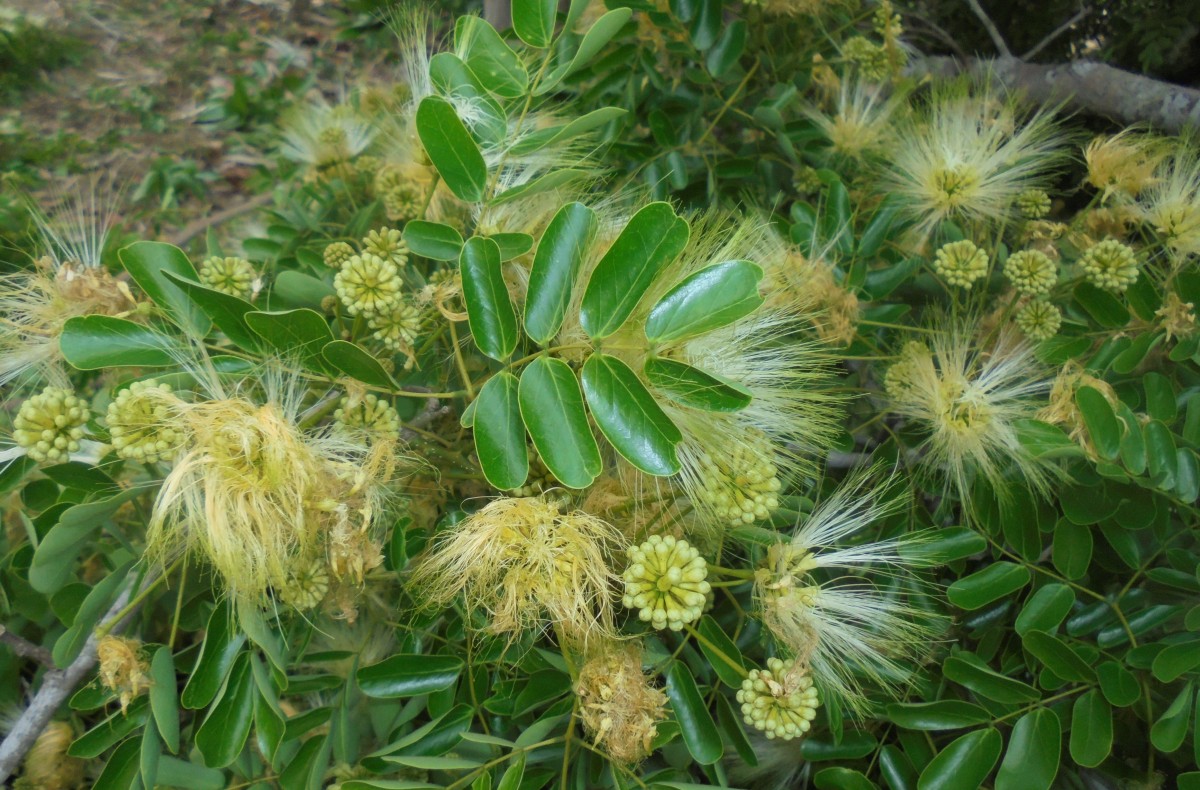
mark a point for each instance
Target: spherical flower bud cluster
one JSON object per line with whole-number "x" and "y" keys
{"x": 899, "y": 376}
{"x": 807, "y": 181}
{"x": 397, "y": 327}
{"x": 961, "y": 263}
{"x": 1039, "y": 320}
{"x": 870, "y": 59}
{"x": 368, "y": 414}
{"x": 1110, "y": 265}
{"x": 233, "y": 276}
{"x": 1031, "y": 272}
{"x": 337, "y": 254}
{"x": 368, "y": 285}
{"x": 780, "y": 700}
{"x": 49, "y": 425}
{"x": 742, "y": 486}
{"x": 387, "y": 243}
{"x": 306, "y": 588}
{"x": 1033, "y": 204}
{"x": 402, "y": 197}
{"x": 666, "y": 582}
{"x": 139, "y": 422}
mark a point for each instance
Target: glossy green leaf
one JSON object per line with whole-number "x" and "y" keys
{"x": 512, "y": 245}
{"x": 164, "y": 697}
{"x": 98, "y": 600}
{"x": 451, "y": 149}
{"x": 628, "y": 416}
{"x": 652, "y": 239}
{"x": 1045, "y": 609}
{"x": 947, "y": 714}
{"x": 556, "y": 267}
{"x": 512, "y": 776}
{"x": 353, "y": 361}
{"x": 299, "y": 333}
{"x": 1058, "y": 657}
{"x": 594, "y": 40}
{"x": 1160, "y": 397}
{"x": 222, "y": 643}
{"x": 730, "y": 722}
{"x": 533, "y": 21}
{"x": 1072, "y": 548}
{"x": 693, "y": 387}
{"x": 1091, "y": 729}
{"x": 711, "y": 298}
{"x": 297, "y": 289}
{"x": 838, "y": 778}
{"x": 121, "y": 770}
{"x": 1102, "y": 306}
{"x": 722, "y": 654}
{"x": 729, "y": 47}
{"x": 489, "y": 308}
{"x": 1119, "y": 685}
{"x": 1034, "y": 750}
{"x": 227, "y": 312}
{"x": 965, "y": 763}
{"x": 433, "y": 240}
{"x": 1168, "y": 732}
{"x": 107, "y": 733}
{"x": 1103, "y": 426}
{"x": 176, "y": 773}
{"x": 1175, "y": 660}
{"x": 223, "y": 734}
{"x": 492, "y": 60}
{"x": 500, "y": 433}
{"x": 54, "y": 559}
{"x": 990, "y": 584}
{"x": 453, "y": 78}
{"x": 1162, "y": 460}
{"x": 696, "y": 724}
{"x": 405, "y": 675}
{"x": 969, "y": 671}
{"x": 552, "y": 409}
{"x": 92, "y": 342}
{"x": 944, "y": 546}
{"x": 147, "y": 263}
{"x": 151, "y": 752}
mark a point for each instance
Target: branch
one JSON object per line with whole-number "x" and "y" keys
{"x": 1058, "y": 31}
{"x": 24, "y": 648}
{"x": 990, "y": 27}
{"x": 57, "y": 685}
{"x": 1085, "y": 86}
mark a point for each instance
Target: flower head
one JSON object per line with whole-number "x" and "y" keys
{"x": 47, "y": 765}
{"x": 367, "y": 414}
{"x": 122, "y": 667}
{"x": 1039, "y": 320}
{"x": 337, "y": 254}
{"x": 961, "y": 263}
{"x": 1123, "y": 164}
{"x": 1171, "y": 205}
{"x": 49, "y": 425}
{"x": 1033, "y": 204}
{"x": 780, "y": 700}
{"x": 1110, "y": 265}
{"x": 1031, "y": 272}
{"x": 322, "y": 135}
{"x": 143, "y": 422}
{"x": 1176, "y": 317}
{"x": 666, "y": 582}
{"x": 860, "y": 123}
{"x": 617, "y": 704}
{"x": 368, "y": 285}
{"x": 397, "y": 327}
{"x": 867, "y": 57}
{"x": 233, "y": 276}
{"x": 387, "y": 243}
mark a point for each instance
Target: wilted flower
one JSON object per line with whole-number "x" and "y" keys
{"x": 960, "y": 263}
{"x": 1110, "y": 265}
{"x": 666, "y": 582}
{"x": 1039, "y": 320}
{"x": 233, "y": 276}
{"x": 49, "y": 425}
{"x": 1123, "y": 164}
{"x": 780, "y": 700}
{"x": 122, "y": 668}
{"x": 1062, "y": 408}
{"x": 1176, "y": 317}
{"x": 47, "y": 765}
{"x": 1031, "y": 272}
{"x": 618, "y": 706}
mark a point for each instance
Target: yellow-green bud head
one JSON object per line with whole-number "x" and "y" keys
{"x": 397, "y": 327}
{"x": 49, "y": 425}
{"x": 233, "y": 276}
{"x": 368, "y": 414}
{"x": 666, "y": 582}
{"x": 1110, "y": 265}
{"x": 807, "y": 181}
{"x": 387, "y": 243}
{"x": 1031, "y": 272}
{"x": 337, "y": 254}
{"x": 368, "y": 284}
{"x": 1033, "y": 204}
{"x": 742, "y": 486}
{"x": 306, "y": 587}
{"x": 1039, "y": 320}
{"x": 961, "y": 263}
{"x": 402, "y": 202}
{"x": 780, "y": 700}
{"x": 142, "y": 422}
{"x": 869, "y": 58}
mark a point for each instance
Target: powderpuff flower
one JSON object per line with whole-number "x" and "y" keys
{"x": 848, "y": 632}
{"x": 526, "y": 564}
{"x": 860, "y": 122}
{"x": 321, "y": 135}
{"x": 968, "y": 157}
{"x": 969, "y": 399}
{"x": 1171, "y": 205}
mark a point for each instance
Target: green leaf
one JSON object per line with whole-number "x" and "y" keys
{"x": 511, "y": 779}
{"x": 729, "y": 47}
{"x": 147, "y": 263}
{"x": 972, "y": 673}
{"x": 353, "y": 361}
{"x": 722, "y": 654}
{"x": 552, "y": 180}
{"x": 226, "y": 311}
{"x": 1161, "y": 457}
{"x": 91, "y": 342}
{"x": 121, "y": 770}
{"x": 1160, "y": 397}
{"x": 838, "y": 778}
{"x": 1118, "y": 684}
{"x": 990, "y": 584}
{"x": 164, "y": 697}
{"x": 54, "y": 558}
{"x": 628, "y": 417}
{"x": 1103, "y": 426}
{"x": 222, "y": 643}
{"x": 594, "y": 40}
{"x": 492, "y": 60}
{"x": 1045, "y": 609}
{"x": 1091, "y": 730}
{"x": 1034, "y": 750}
{"x": 500, "y": 433}
{"x": 512, "y": 245}
{"x": 652, "y": 239}
{"x": 1072, "y": 549}
{"x": 406, "y": 675}
{"x": 433, "y": 240}
{"x": 451, "y": 149}
{"x": 1168, "y": 732}
{"x": 296, "y": 333}
{"x": 1102, "y": 306}
{"x": 173, "y": 772}
{"x": 533, "y": 21}
{"x": 100, "y": 738}
{"x": 254, "y": 625}
{"x": 151, "y": 752}
{"x": 99, "y": 598}
{"x": 711, "y": 298}
{"x": 223, "y": 734}
{"x": 700, "y": 733}
{"x": 947, "y": 714}
{"x": 556, "y": 266}
{"x": 693, "y": 387}
{"x": 1058, "y": 657}
{"x": 965, "y": 763}
{"x": 535, "y": 141}
{"x": 944, "y": 546}
{"x": 552, "y": 408}
{"x": 492, "y": 319}
{"x": 1173, "y": 661}
{"x": 452, "y": 77}
{"x": 297, "y": 289}
{"x": 731, "y": 725}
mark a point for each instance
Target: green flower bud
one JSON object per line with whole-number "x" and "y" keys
{"x": 1033, "y": 204}
{"x": 1031, "y": 272}
{"x": 1039, "y": 320}
{"x": 388, "y": 244}
{"x": 742, "y": 486}
{"x": 398, "y": 327}
{"x": 780, "y": 700}
{"x": 368, "y": 284}
{"x": 233, "y": 276}
{"x": 1110, "y": 265}
{"x": 337, "y": 254}
{"x": 403, "y": 202}
{"x": 49, "y": 425}
{"x": 307, "y": 586}
{"x": 666, "y": 582}
{"x": 140, "y": 421}
{"x": 870, "y": 59}
{"x": 368, "y": 414}
{"x": 961, "y": 263}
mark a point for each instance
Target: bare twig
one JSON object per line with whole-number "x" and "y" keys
{"x": 57, "y": 685}
{"x": 195, "y": 228}
{"x": 24, "y": 648}
{"x": 1058, "y": 31}
{"x": 990, "y": 27}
